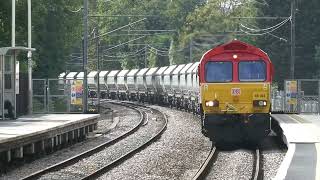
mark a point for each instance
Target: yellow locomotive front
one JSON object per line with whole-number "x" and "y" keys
{"x": 235, "y": 83}
{"x": 235, "y": 98}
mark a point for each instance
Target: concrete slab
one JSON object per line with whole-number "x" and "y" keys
{"x": 297, "y": 129}
{"x": 313, "y": 118}
{"x": 303, "y": 164}
{"x": 34, "y": 128}
{"x": 302, "y": 133}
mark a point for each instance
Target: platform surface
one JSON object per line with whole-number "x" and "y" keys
{"x": 302, "y": 133}
{"x": 25, "y": 126}
{"x": 299, "y": 128}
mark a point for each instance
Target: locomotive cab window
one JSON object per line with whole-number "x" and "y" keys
{"x": 218, "y": 71}
{"x": 252, "y": 71}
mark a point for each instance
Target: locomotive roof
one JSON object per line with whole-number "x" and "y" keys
{"x": 170, "y": 69}
{"x": 92, "y": 74}
{"x": 133, "y": 72}
{"x": 71, "y": 75}
{"x": 123, "y": 73}
{"x": 185, "y": 68}
{"x": 178, "y": 69}
{"x": 193, "y": 67}
{"x": 152, "y": 71}
{"x": 161, "y": 70}
{"x": 235, "y": 46}
{"x": 113, "y": 73}
{"x": 103, "y": 73}
{"x": 143, "y": 71}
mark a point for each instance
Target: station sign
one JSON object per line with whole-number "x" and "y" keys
{"x": 76, "y": 92}
{"x": 291, "y": 92}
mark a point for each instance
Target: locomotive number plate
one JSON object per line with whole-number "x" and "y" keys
{"x": 235, "y": 91}
{"x": 257, "y": 95}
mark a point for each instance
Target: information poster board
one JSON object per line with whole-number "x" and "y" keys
{"x": 291, "y": 92}
{"x": 76, "y": 92}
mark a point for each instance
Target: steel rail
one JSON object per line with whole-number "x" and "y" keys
{"x": 257, "y": 166}
{"x": 88, "y": 153}
{"x": 99, "y": 172}
{"x": 205, "y": 167}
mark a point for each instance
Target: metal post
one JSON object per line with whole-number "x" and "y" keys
{"x": 318, "y": 96}
{"x": 14, "y": 71}
{"x": 85, "y": 55}
{"x": 299, "y": 97}
{"x": 145, "y": 56}
{"x": 29, "y": 61}
{"x": 98, "y": 80}
{"x": 98, "y": 56}
{"x": 13, "y": 28}
{"x": 293, "y": 38}
{"x": 190, "y": 50}
{"x": 2, "y": 86}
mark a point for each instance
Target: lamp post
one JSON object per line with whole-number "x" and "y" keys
{"x": 85, "y": 55}
{"x": 29, "y": 55}
{"x": 293, "y": 38}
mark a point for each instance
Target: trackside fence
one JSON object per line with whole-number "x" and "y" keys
{"x": 299, "y": 96}
{"x": 57, "y": 96}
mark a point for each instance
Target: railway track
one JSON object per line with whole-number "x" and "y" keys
{"x": 257, "y": 170}
{"x": 73, "y": 160}
{"x": 206, "y": 166}
{"x": 211, "y": 158}
{"x": 114, "y": 163}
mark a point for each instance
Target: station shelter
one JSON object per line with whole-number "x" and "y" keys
{"x": 9, "y": 80}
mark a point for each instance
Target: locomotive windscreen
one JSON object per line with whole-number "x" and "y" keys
{"x": 218, "y": 71}
{"x": 252, "y": 71}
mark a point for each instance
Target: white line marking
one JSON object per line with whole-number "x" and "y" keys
{"x": 294, "y": 119}
{"x": 318, "y": 161}
{"x": 282, "y": 171}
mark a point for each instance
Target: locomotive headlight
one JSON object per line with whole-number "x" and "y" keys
{"x": 209, "y": 103}
{"x": 214, "y": 103}
{"x": 259, "y": 103}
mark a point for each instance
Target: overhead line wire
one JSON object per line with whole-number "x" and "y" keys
{"x": 269, "y": 28}
{"x": 117, "y": 29}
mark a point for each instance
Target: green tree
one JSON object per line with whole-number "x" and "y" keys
{"x": 56, "y": 31}
{"x": 212, "y": 24}
{"x": 307, "y": 38}
{"x": 317, "y": 61}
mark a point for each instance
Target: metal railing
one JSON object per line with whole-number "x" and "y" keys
{"x": 306, "y": 100}
{"x": 57, "y": 96}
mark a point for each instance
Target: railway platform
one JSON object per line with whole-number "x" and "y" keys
{"x": 35, "y": 134}
{"x": 301, "y": 133}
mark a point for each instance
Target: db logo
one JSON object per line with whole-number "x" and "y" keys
{"x": 235, "y": 91}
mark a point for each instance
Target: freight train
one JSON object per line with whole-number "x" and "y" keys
{"x": 229, "y": 88}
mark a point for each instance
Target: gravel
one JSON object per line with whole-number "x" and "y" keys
{"x": 109, "y": 154}
{"x": 232, "y": 165}
{"x": 128, "y": 119}
{"x": 271, "y": 163}
{"x": 273, "y": 154}
{"x": 178, "y": 154}
{"x": 239, "y": 164}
